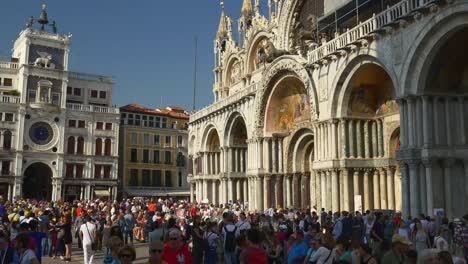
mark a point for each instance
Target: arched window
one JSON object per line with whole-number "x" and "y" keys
{"x": 108, "y": 147}
{"x": 7, "y": 140}
{"x": 71, "y": 145}
{"x": 80, "y": 147}
{"x": 180, "y": 160}
{"x": 98, "y": 147}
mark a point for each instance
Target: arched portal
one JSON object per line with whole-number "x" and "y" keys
{"x": 369, "y": 113}
{"x": 37, "y": 183}
{"x": 209, "y": 163}
{"x": 300, "y": 157}
{"x": 237, "y": 152}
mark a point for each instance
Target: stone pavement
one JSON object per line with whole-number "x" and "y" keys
{"x": 77, "y": 255}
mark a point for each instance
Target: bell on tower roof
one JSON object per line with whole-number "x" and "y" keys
{"x": 222, "y": 28}
{"x": 43, "y": 17}
{"x": 247, "y": 9}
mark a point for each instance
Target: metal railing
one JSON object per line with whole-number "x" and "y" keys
{"x": 92, "y": 108}
{"x": 376, "y": 22}
{"x": 10, "y": 99}
{"x": 89, "y": 77}
{"x": 224, "y": 102}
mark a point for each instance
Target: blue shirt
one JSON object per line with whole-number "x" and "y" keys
{"x": 296, "y": 251}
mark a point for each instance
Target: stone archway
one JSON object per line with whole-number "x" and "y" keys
{"x": 37, "y": 182}
{"x": 236, "y": 149}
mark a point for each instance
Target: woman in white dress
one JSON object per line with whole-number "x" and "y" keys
{"x": 419, "y": 237}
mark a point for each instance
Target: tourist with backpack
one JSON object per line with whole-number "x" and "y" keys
{"x": 230, "y": 233}
{"x": 210, "y": 243}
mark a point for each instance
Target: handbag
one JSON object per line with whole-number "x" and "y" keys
{"x": 93, "y": 245}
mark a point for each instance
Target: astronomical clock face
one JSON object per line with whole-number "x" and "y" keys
{"x": 41, "y": 133}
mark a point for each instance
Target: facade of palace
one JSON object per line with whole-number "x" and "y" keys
{"x": 58, "y": 131}
{"x": 153, "y": 152}
{"x": 324, "y": 104}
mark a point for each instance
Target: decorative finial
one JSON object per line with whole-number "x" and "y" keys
{"x": 222, "y": 5}
{"x": 43, "y": 17}
{"x": 30, "y": 22}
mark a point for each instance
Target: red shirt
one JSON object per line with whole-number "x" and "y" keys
{"x": 193, "y": 212}
{"x": 253, "y": 255}
{"x": 152, "y": 207}
{"x": 78, "y": 211}
{"x": 180, "y": 256}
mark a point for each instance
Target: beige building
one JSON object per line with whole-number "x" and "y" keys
{"x": 153, "y": 152}
{"x": 326, "y": 104}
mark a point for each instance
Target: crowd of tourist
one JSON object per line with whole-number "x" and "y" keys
{"x": 182, "y": 232}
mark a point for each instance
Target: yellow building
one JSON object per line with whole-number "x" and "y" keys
{"x": 153, "y": 152}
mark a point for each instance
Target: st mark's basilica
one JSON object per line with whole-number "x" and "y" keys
{"x": 343, "y": 105}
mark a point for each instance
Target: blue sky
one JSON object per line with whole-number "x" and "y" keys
{"x": 147, "y": 45}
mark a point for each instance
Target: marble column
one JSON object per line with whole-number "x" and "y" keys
{"x": 230, "y": 189}
{"x": 267, "y": 191}
{"x": 259, "y": 194}
{"x": 383, "y": 189}
{"x": 306, "y": 196}
{"x": 359, "y": 138}
{"x": 380, "y": 137}
{"x": 191, "y": 193}
{"x": 335, "y": 191}
{"x": 410, "y": 120}
{"x": 242, "y": 161}
{"x": 427, "y": 123}
{"x": 367, "y": 191}
{"x": 297, "y": 190}
{"x": 413, "y": 186}
{"x": 238, "y": 190}
{"x": 274, "y": 147}
{"x": 280, "y": 156}
{"x": 245, "y": 191}
{"x": 214, "y": 191}
{"x": 429, "y": 186}
{"x": 278, "y": 190}
{"x": 344, "y": 140}
{"x": 313, "y": 191}
{"x": 366, "y": 139}
{"x": 346, "y": 203}
{"x": 324, "y": 190}
{"x": 374, "y": 140}
{"x": 318, "y": 190}
{"x": 356, "y": 183}
{"x": 316, "y": 141}
{"x": 390, "y": 189}
{"x": 352, "y": 152}
{"x": 376, "y": 192}
{"x": 448, "y": 163}
{"x": 461, "y": 119}
{"x": 340, "y": 190}
{"x": 333, "y": 125}
{"x": 398, "y": 189}
{"x": 329, "y": 191}
{"x": 448, "y": 128}
{"x": 205, "y": 190}
{"x": 422, "y": 187}
{"x": 288, "y": 190}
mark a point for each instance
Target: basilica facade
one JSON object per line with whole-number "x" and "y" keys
{"x": 329, "y": 104}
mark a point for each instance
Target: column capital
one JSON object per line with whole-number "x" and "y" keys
{"x": 428, "y": 162}
{"x": 412, "y": 163}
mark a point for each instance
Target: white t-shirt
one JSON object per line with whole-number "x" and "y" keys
{"x": 88, "y": 237}
{"x": 440, "y": 243}
{"x": 27, "y": 257}
{"x": 322, "y": 256}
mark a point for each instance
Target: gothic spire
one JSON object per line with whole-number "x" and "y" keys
{"x": 222, "y": 28}
{"x": 247, "y": 8}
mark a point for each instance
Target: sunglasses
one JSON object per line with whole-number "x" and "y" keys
{"x": 126, "y": 256}
{"x": 156, "y": 250}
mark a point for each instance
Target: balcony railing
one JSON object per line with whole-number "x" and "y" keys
{"x": 8, "y": 65}
{"x": 224, "y": 102}
{"x": 377, "y": 22}
{"x": 10, "y": 99}
{"x": 92, "y": 108}
{"x": 89, "y": 77}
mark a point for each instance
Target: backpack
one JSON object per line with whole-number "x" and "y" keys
{"x": 230, "y": 242}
